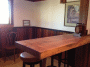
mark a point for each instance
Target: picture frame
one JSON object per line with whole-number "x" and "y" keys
{"x": 26, "y": 23}
{"x": 72, "y": 10}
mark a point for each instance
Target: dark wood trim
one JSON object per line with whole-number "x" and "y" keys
{"x": 46, "y": 29}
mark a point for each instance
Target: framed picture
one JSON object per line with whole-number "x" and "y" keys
{"x": 72, "y": 10}
{"x": 26, "y": 23}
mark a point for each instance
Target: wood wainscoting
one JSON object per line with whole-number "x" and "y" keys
{"x": 36, "y": 32}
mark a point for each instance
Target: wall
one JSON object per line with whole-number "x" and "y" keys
{"x": 22, "y": 11}
{"x": 88, "y": 21}
{"x": 47, "y": 14}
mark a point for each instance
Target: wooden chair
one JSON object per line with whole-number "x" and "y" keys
{"x": 11, "y": 37}
{"x": 29, "y": 59}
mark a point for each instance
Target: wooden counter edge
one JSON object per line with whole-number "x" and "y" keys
{"x": 83, "y": 41}
{"x": 29, "y": 50}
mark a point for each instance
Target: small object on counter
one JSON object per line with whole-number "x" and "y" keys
{"x": 77, "y": 35}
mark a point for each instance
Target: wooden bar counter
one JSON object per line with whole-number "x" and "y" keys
{"x": 48, "y": 46}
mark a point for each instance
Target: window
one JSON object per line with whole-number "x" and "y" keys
{"x": 5, "y": 11}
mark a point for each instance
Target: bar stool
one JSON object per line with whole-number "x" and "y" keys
{"x": 59, "y": 60}
{"x": 29, "y": 59}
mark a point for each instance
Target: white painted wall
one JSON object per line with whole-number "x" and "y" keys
{"x": 22, "y": 11}
{"x": 88, "y": 21}
{"x": 47, "y": 14}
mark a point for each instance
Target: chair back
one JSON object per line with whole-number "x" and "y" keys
{"x": 11, "y": 37}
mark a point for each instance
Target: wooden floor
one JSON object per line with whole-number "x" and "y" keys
{"x": 18, "y": 63}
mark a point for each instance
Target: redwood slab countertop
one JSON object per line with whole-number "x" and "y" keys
{"x": 48, "y": 46}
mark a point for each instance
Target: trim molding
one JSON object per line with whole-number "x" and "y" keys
{"x": 46, "y": 29}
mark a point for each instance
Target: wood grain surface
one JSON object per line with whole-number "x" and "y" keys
{"x": 48, "y": 46}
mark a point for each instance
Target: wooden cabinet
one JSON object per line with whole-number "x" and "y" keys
{"x": 62, "y": 1}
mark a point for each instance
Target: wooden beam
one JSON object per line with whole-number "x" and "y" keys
{"x": 84, "y": 4}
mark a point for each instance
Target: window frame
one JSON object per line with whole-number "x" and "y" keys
{"x": 11, "y": 24}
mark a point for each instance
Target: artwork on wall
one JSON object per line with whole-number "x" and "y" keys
{"x": 26, "y": 23}
{"x": 72, "y": 10}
